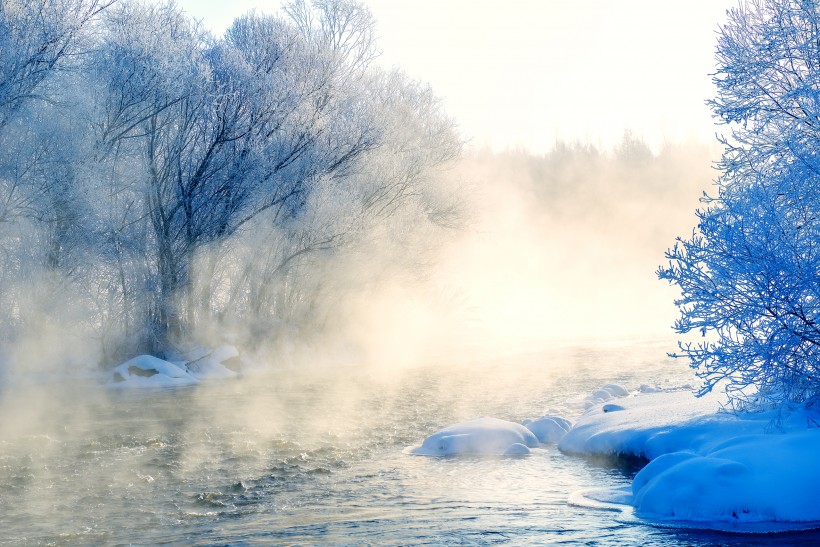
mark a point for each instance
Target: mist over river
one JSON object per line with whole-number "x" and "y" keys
{"x": 316, "y": 456}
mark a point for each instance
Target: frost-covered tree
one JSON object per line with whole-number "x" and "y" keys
{"x": 164, "y": 180}
{"x": 750, "y": 273}
{"x": 36, "y": 40}
{"x": 39, "y": 42}
{"x": 223, "y": 131}
{"x": 377, "y": 211}
{"x": 279, "y": 137}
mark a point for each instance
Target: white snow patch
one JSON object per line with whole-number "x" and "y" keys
{"x": 615, "y": 390}
{"x": 149, "y": 371}
{"x": 605, "y": 393}
{"x": 708, "y": 468}
{"x": 548, "y": 429}
{"x": 596, "y": 398}
{"x": 211, "y": 364}
{"x": 750, "y": 478}
{"x": 182, "y": 368}
{"x": 517, "y": 449}
{"x": 479, "y": 436}
{"x": 612, "y": 499}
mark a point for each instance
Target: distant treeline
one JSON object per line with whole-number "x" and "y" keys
{"x": 637, "y": 198}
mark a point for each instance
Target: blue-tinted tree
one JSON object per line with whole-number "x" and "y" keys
{"x": 161, "y": 178}
{"x": 38, "y": 39}
{"x": 219, "y": 138}
{"x": 750, "y": 273}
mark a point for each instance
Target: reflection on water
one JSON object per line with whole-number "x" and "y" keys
{"x": 301, "y": 458}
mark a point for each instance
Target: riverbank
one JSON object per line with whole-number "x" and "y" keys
{"x": 745, "y": 472}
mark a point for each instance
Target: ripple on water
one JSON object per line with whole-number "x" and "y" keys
{"x": 305, "y": 459}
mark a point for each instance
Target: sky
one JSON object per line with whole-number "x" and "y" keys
{"x": 526, "y": 73}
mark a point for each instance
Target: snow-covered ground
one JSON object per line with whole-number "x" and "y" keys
{"x": 750, "y": 472}
{"x": 706, "y": 468}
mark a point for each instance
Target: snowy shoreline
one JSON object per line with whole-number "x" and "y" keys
{"x": 704, "y": 468}
{"x": 708, "y": 468}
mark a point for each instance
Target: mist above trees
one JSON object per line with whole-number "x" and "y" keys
{"x": 161, "y": 186}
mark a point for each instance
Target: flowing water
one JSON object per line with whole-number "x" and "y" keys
{"x": 317, "y": 457}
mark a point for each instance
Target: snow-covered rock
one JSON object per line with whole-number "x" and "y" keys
{"x": 181, "y": 369}
{"x": 218, "y": 363}
{"x": 615, "y": 390}
{"x": 482, "y": 436}
{"x": 605, "y": 393}
{"x": 597, "y": 397}
{"x": 548, "y": 429}
{"x": 149, "y": 371}
{"x": 516, "y": 449}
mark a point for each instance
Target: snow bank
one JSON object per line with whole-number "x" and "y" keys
{"x": 149, "y": 371}
{"x": 751, "y": 478}
{"x": 482, "y": 436}
{"x": 652, "y": 424}
{"x": 708, "y": 468}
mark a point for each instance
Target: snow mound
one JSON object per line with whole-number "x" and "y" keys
{"x": 751, "y": 478}
{"x": 549, "y": 429}
{"x": 149, "y": 371}
{"x": 615, "y": 390}
{"x": 479, "y": 436}
{"x": 605, "y": 393}
{"x": 206, "y": 364}
{"x": 182, "y": 369}
{"x": 517, "y": 449}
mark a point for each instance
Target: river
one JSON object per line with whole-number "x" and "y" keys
{"x": 316, "y": 456}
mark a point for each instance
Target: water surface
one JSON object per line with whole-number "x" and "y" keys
{"x": 317, "y": 457}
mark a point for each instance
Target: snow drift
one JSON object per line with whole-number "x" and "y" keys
{"x": 548, "y": 429}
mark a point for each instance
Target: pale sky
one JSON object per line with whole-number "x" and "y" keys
{"x": 523, "y": 73}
